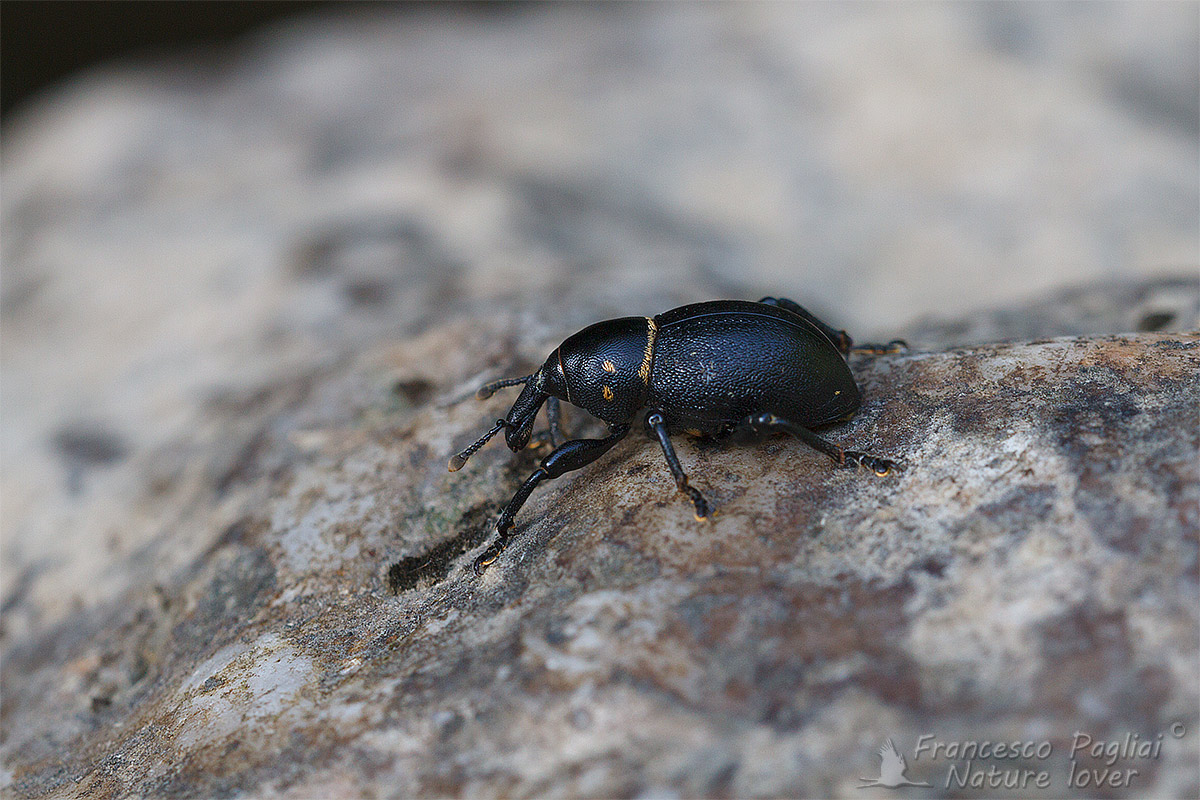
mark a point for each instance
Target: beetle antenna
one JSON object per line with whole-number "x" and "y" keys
{"x": 458, "y": 461}
{"x": 489, "y": 389}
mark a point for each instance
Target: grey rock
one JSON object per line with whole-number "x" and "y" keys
{"x": 1030, "y": 573}
{"x": 1166, "y": 303}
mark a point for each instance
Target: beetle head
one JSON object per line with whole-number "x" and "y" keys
{"x": 518, "y": 424}
{"x": 524, "y": 412}
{"x": 605, "y": 368}
{"x": 547, "y": 382}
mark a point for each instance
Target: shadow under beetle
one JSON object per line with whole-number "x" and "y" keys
{"x": 707, "y": 369}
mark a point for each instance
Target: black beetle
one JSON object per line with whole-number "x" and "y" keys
{"x": 706, "y": 369}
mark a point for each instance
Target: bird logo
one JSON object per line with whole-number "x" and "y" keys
{"x": 892, "y": 767}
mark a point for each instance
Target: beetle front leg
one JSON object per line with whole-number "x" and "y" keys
{"x": 767, "y": 422}
{"x": 658, "y": 429}
{"x": 566, "y": 457}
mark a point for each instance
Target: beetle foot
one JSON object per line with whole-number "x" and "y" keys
{"x": 760, "y": 423}
{"x": 703, "y": 510}
{"x": 542, "y": 440}
{"x": 876, "y": 349}
{"x": 546, "y": 440}
{"x": 490, "y": 555}
{"x": 484, "y": 561}
{"x": 880, "y": 466}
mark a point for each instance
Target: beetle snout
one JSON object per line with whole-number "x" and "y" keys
{"x": 519, "y": 431}
{"x": 522, "y": 416}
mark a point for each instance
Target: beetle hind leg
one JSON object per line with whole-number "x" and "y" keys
{"x": 658, "y": 429}
{"x": 769, "y": 423}
{"x": 840, "y": 339}
{"x": 879, "y": 349}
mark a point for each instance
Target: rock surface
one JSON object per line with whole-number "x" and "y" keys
{"x": 243, "y": 320}
{"x": 1031, "y": 572}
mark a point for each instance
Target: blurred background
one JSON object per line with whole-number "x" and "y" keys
{"x": 205, "y": 195}
{"x": 884, "y": 162}
{"x": 45, "y": 42}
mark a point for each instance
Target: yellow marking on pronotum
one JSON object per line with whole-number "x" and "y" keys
{"x": 608, "y": 394}
{"x": 608, "y": 366}
{"x": 562, "y": 369}
{"x": 648, "y": 355}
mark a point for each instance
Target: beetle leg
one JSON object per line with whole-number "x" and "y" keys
{"x": 841, "y": 340}
{"x": 554, "y": 417}
{"x": 877, "y": 349}
{"x": 658, "y": 429}
{"x": 770, "y": 422}
{"x": 566, "y": 457}
{"x": 553, "y": 435}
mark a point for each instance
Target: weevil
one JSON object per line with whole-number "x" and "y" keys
{"x": 711, "y": 369}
